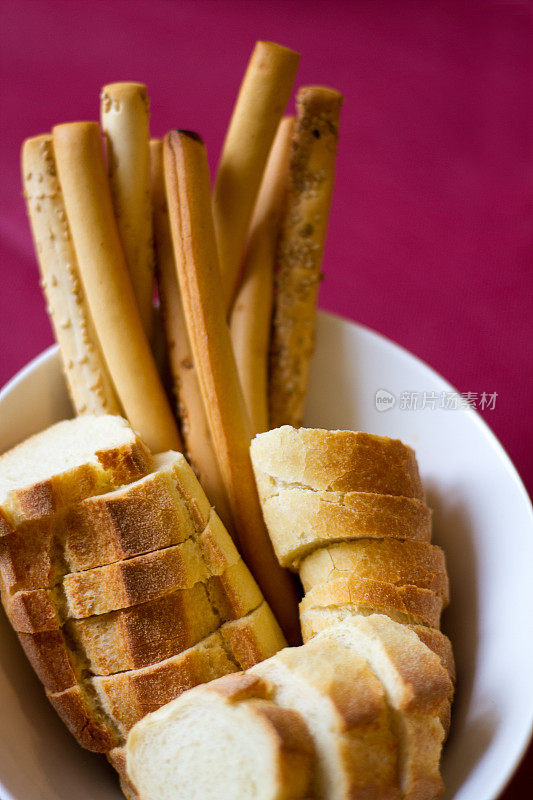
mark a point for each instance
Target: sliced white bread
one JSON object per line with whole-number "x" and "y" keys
{"x": 398, "y": 562}
{"x": 416, "y": 685}
{"x": 344, "y": 706}
{"x": 300, "y": 520}
{"x": 341, "y": 461}
{"x": 406, "y": 604}
{"x": 101, "y": 710}
{"x": 222, "y": 741}
{"x": 66, "y": 463}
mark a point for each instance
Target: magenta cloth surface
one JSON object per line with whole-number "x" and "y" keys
{"x": 431, "y": 236}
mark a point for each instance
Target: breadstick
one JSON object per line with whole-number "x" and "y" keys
{"x": 104, "y": 275}
{"x": 300, "y": 250}
{"x": 190, "y": 406}
{"x": 262, "y": 99}
{"x": 193, "y": 236}
{"x": 252, "y": 310}
{"x": 124, "y": 115}
{"x": 88, "y": 380}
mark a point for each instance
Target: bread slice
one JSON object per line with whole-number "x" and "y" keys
{"x": 416, "y": 685}
{"x": 143, "y": 516}
{"x": 233, "y": 593}
{"x": 222, "y": 741}
{"x": 300, "y": 520}
{"x": 122, "y": 640}
{"x": 100, "y": 711}
{"x": 66, "y": 463}
{"x": 341, "y": 461}
{"x": 344, "y": 706}
{"x": 397, "y": 562}
{"x": 406, "y": 604}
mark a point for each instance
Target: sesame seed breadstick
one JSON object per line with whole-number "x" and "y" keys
{"x": 262, "y": 99}
{"x": 83, "y": 178}
{"x": 190, "y": 405}
{"x": 189, "y": 203}
{"x": 252, "y": 310}
{"x": 88, "y": 380}
{"x": 124, "y": 115}
{"x": 300, "y": 251}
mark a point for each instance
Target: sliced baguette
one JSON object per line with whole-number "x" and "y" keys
{"x": 301, "y": 520}
{"x": 124, "y": 698}
{"x": 234, "y": 593}
{"x": 341, "y": 461}
{"x": 122, "y": 640}
{"x": 345, "y": 708}
{"x": 150, "y": 514}
{"x": 408, "y": 604}
{"x": 416, "y": 685}
{"x": 397, "y": 562}
{"x": 222, "y": 741}
{"x": 66, "y": 463}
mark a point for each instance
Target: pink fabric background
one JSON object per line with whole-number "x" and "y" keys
{"x": 431, "y": 238}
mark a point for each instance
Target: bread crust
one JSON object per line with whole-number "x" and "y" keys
{"x": 106, "y": 469}
{"x": 343, "y": 461}
{"x": 419, "y": 606}
{"x": 398, "y": 562}
{"x": 301, "y": 520}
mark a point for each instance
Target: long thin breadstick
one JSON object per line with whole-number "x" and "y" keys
{"x": 252, "y": 310}
{"x": 86, "y": 374}
{"x": 300, "y": 250}
{"x": 83, "y": 178}
{"x": 262, "y": 99}
{"x": 189, "y": 203}
{"x": 124, "y": 115}
{"x": 194, "y": 427}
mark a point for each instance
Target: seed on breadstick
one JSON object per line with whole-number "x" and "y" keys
{"x": 124, "y": 115}
{"x": 195, "y": 251}
{"x": 88, "y": 380}
{"x": 190, "y": 406}
{"x": 300, "y": 251}
{"x": 82, "y": 174}
{"x": 262, "y": 99}
{"x": 252, "y": 309}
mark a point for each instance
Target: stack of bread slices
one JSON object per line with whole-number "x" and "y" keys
{"x": 362, "y": 709}
{"x": 347, "y": 511}
{"x": 121, "y": 582}
{"x": 352, "y": 714}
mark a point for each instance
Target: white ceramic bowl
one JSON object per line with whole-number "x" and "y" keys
{"x": 482, "y": 517}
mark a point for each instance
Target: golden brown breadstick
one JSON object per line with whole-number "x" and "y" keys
{"x": 124, "y": 115}
{"x": 252, "y": 309}
{"x": 190, "y": 406}
{"x": 262, "y": 99}
{"x": 193, "y": 236}
{"x": 300, "y": 250}
{"x": 86, "y": 374}
{"x": 83, "y": 178}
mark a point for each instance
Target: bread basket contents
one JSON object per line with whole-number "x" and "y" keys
{"x": 119, "y": 578}
{"x": 363, "y": 697}
{"x": 139, "y": 578}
